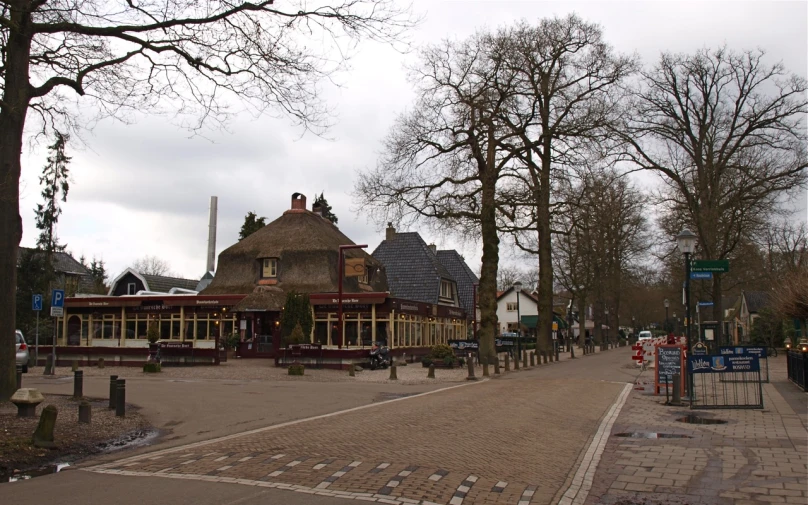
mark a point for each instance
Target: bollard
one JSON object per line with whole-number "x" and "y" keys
{"x": 43, "y": 436}
{"x": 74, "y": 365}
{"x": 471, "y": 376}
{"x": 677, "y": 390}
{"x": 120, "y": 398}
{"x": 507, "y": 362}
{"x": 393, "y": 375}
{"x": 556, "y": 354}
{"x": 113, "y": 388}
{"x": 572, "y": 351}
{"x": 78, "y": 384}
{"x": 100, "y": 362}
{"x": 516, "y": 362}
{"x": 431, "y": 373}
{"x": 85, "y": 412}
{"x": 351, "y": 370}
{"x": 532, "y": 359}
{"x": 19, "y": 377}
{"x": 524, "y": 360}
{"x": 49, "y": 365}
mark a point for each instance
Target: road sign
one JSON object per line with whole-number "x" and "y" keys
{"x": 701, "y": 275}
{"x": 709, "y": 266}
{"x": 36, "y": 303}
{"x": 705, "y": 304}
{"x": 57, "y": 311}
{"x": 58, "y": 298}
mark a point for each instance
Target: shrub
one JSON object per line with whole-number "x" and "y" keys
{"x": 152, "y": 367}
{"x": 231, "y": 341}
{"x": 153, "y": 333}
{"x": 296, "y": 337}
{"x": 442, "y": 351}
{"x": 296, "y": 369}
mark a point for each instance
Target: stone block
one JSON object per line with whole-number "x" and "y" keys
{"x": 26, "y": 400}
{"x": 43, "y": 436}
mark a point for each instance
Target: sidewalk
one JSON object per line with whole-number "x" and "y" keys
{"x": 758, "y": 456}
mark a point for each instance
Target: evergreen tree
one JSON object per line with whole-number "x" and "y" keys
{"x": 296, "y": 310}
{"x": 98, "y": 270}
{"x": 325, "y": 208}
{"x": 33, "y": 278}
{"x": 56, "y": 185}
{"x": 252, "y": 223}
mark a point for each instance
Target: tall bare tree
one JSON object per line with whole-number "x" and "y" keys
{"x": 189, "y": 58}
{"x": 152, "y": 265}
{"x": 442, "y": 161}
{"x": 566, "y": 80}
{"x": 726, "y": 133}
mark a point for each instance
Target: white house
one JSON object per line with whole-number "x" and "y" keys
{"x": 506, "y": 308}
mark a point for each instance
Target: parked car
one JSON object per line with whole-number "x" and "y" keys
{"x": 22, "y": 352}
{"x": 645, "y": 335}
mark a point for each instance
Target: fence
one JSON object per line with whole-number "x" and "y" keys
{"x": 797, "y": 369}
{"x": 725, "y": 382}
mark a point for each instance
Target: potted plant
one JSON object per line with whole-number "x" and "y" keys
{"x": 441, "y": 356}
{"x": 231, "y": 343}
{"x": 152, "y": 335}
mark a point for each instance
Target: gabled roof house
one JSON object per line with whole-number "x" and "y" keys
{"x": 71, "y": 275}
{"x": 131, "y": 282}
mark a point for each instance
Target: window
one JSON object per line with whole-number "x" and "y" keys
{"x": 511, "y": 306}
{"x": 131, "y": 288}
{"x": 365, "y": 279}
{"x": 446, "y": 289}
{"x": 269, "y": 267}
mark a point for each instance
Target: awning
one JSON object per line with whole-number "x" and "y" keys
{"x": 531, "y": 321}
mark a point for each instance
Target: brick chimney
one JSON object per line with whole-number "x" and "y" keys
{"x": 298, "y": 203}
{"x": 391, "y": 232}
{"x": 433, "y": 248}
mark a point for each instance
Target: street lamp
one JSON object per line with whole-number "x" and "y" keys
{"x": 667, "y": 304}
{"x": 517, "y": 286}
{"x": 686, "y": 241}
{"x": 633, "y": 327}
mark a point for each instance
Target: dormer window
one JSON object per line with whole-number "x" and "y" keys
{"x": 269, "y": 268}
{"x": 365, "y": 279}
{"x": 446, "y": 289}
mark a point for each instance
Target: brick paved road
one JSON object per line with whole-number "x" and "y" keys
{"x": 509, "y": 440}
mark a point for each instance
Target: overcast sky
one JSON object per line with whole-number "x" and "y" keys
{"x": 144, "y": 189}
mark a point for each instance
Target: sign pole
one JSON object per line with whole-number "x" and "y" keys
{"x": 36, "y": 341}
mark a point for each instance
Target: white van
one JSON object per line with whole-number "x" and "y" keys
{"x": 644, "y": 335}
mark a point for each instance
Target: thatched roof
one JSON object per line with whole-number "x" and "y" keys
{"x": 307, "y": 248}
{"x": 269, "y": 299}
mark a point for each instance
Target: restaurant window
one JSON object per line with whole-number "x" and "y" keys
{"x": 511, "y": 306}
{"x": 131, "y": 288}
{"x": 269, "y": 268}
{"x": 446, "y": 289}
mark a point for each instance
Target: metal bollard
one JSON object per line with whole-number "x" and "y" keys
{"x": 532, "y": 359}
{"x": 431, "y": 373}
{"x": 507, "y": 362}
{"x": 556, "y": 353}
{"x": 677, "y": 390}
{"x": 19, "y": 377}
{"x": 85, "y": 412}
{"x": 120, "y": 398}
{"x": 113, "y": 388}
{"x": 78, "y": 384}
{"x": 471, "y": 376}
{"x": 351, "y": 370}
{"x": 393, "y": 375}
{"x": 524, "y": 360}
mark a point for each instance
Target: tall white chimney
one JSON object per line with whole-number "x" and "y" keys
{"x": 214, "y": 204}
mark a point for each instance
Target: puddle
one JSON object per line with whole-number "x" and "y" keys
{"x": 651, "y": 435}
{"x": 137, "y": 438}
{"x": 37, "y": 472}
{"x": 693, "y": 419}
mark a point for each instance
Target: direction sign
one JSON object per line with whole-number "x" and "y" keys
{"x": 709, "y": 266}
{"x": 705, "y": 304}
{"x": 36, "y": 303}
{"x": 58, "y": 298}
{"x": 701, "y": 275}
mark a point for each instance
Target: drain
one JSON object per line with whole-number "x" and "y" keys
{"x": 692, "y": 419}
{"x": 637, "y": 434}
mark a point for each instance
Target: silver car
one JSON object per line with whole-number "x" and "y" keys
{"x": 23, "y": 358}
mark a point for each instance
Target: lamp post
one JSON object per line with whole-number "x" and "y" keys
{"x": 569, "y": 328}
{"x": 517, "y": 286}
{"x": 633, "y": 327}
{"x": 608, "y": 325}
{"x": 686, "y": 241}
{"x": 675, "y": 323}
{"x": 341, "y": 274}
{"x": 667, "y": 304}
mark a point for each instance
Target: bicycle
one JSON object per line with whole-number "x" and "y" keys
{"x": 771, "y": 351}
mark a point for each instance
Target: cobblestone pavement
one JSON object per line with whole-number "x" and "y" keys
{"x": 513, "y": 440}
{"x": 756, "y": 457}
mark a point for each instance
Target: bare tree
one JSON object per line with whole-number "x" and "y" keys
{"x": 566, "y": 78}
{"x": 190, "y": 59}
{"x": 441, "y": 162}
{"x": 726, "y": 134}
{"x": 152, "y": 265}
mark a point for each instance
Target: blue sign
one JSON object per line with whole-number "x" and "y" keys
{"x": 58, "y": 298}
{"x": 701, "y": 275}
{"x": 705, "y": 304}
{"x": 723, "y": 364}
{"x": 760, "y": 352}
{"x": 36, "y": 303}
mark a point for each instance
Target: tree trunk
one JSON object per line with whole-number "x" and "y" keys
{"x": 12, "y": 123}
{"x": 718, "y": 310}
{"x": 490, "y": 260}
{"x": 582, "y": 319}
{"x": 545, "y": 288}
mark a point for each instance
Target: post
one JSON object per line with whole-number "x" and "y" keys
{"x": 677, "y": 389}
{"x": 340, "y": 274}
{"x": 19, "y": 377}
{"x": 524, "y": 360}
{"x": 55, "y": 331}
{"x": 518, "y": 327}
{"x": 113, "y": 388}
{"x": 120, "y": 398}
{"x": 532, "y": 359}
{"x": 687, "y": 300}
{"x": 471, "y": 376}
{"x": 507, "y": 362}
{"x": 393, "y": 375}
{"x": 78, "y": 384}
{"x": 85, "y": 412}
{"x": 431, "y": 373}
{"x": 36, "y": 341}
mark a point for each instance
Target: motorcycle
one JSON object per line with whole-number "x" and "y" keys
{"x": 379, "y": 357}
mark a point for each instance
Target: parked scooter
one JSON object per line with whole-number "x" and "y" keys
{"x": 379, "y": 357}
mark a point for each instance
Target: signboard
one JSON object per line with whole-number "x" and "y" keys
{"x": 354, "y": 267}
{"x": 57, "y": 311}
{"x": 669, "y": 362}
{"x": 709, "y": 266}
{"x": 701, "y": 275}
{"x": 709, "y": 334}
{"x": 699, "y": 349}
{"x": 705, "y": 304}
{"x": 723, "y": 363}
{"x": 58, "y": 298}
{"x": 460, "y": 345}
{"x": 36, "y": 303}
{"x": 176, "y": 345}
{"x": 760, "y": 352}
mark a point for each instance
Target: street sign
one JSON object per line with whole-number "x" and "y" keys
{"x": 705, "y": 304}
{"x": 58, "y": 298}
{"x": 36, "y": 303}
{"x": 701, "y": 275}
{"x": 57, "y": 311}
{"x": 709, "y": 266}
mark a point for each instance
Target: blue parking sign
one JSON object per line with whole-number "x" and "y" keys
{"x": 58, "y": 298}
{"x": 36, "y": 303}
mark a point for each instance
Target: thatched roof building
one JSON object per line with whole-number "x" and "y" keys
{"x": 298, "y": 252}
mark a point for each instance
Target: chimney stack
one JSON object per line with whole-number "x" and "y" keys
{"x": 298, "y": 202}
{"x": 214, "y": 209}
{"x": 433, "y": 248}
{"x": 391, "y": 232}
